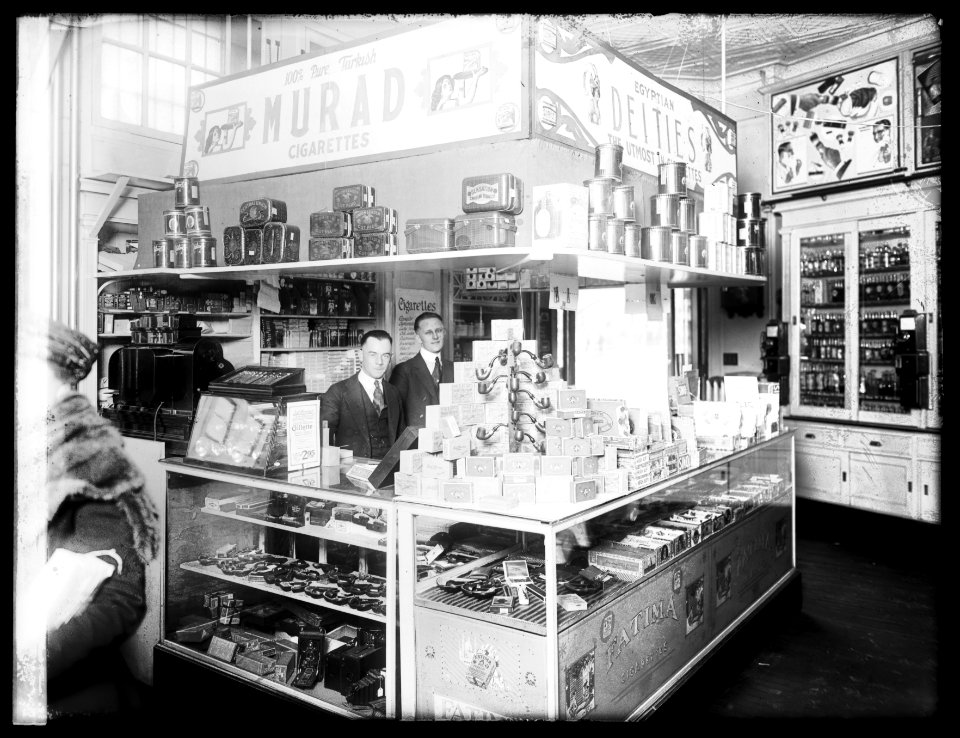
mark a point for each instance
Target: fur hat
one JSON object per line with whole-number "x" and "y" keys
{"x": 70, "y": 352}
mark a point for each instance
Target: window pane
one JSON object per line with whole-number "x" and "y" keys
{"x": 198, "y": 78}
{"x": 125, "y": 29}
{"x": 167, "y": 95}
{"x": 197, "y": 48}
{"x": 160, "y": 38}
{"x": 213, "y": 59}
{"x": 120, "y": 84}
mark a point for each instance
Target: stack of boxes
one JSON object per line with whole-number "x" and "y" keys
{"x": 491, "y": 203}
{"x": 263, "y": 235}
{"x": 355, "y": 227}
{"x": 188, "y": 241}
{"x": 718, "y": 223}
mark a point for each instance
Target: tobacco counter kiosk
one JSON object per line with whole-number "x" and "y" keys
{"x": 308, "y": 588}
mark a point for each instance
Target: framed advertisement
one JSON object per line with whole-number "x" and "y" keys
{"x": 926, "y": 100}
{"x": 837, "y": 129}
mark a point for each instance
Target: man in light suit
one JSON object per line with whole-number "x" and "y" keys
{"x": 365, "y": 413}
{"x": 418, "y": 378}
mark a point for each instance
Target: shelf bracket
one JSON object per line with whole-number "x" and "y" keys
{"x": 118, "y": 187}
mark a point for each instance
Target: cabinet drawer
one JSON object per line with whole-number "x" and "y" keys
{"x": 880, "y": 483}
{"x": 819, "y": 475}
{"x": 825, "y": 436}
{"x": 879, "y": 442}
{"x": 928, "y": 447}
{"x": 929, "y": 491}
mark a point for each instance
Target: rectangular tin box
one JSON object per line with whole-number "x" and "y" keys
{"x": 429, "y": 234}
{"x": 281, "y": 243}
{"x": 484, "y": 230}
{"x": 319, "y": 249}
{"x": 263, "y": 210}
{"x": 492, "y": 192}
{"x": 331, "y": 224}
{"x": 374, "y": 244}
{"x": 376, "y": 219}
{"x": 351, "y": 197}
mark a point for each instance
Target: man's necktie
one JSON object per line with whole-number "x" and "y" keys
{"x": 378, "y": 396}
{"x": 436, "y": 372}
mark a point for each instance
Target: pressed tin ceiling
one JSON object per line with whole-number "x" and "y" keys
{"x": 678, "y": 45}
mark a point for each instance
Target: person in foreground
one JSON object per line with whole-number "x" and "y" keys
{"x": 102, "y": 528}
{"x": 364, "y": 412}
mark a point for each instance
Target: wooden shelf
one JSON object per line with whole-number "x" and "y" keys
{"x": 124, "y": 311}
{"x": 359, "y": 537}
{"x": 318, "y": 317}
{"x": 594, "y": 268}
{"x": 212, "y": 571}
{"x": 160, "y": 345}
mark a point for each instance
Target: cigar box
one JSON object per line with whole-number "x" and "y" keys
{"x": 259, "y": 212}
{"x": 457, "y": 490}
{"x": 615, "y": 481}
{"x": 436, "y": 467}
{"x": 480, "y": 466}
{"x": 576, "y": 447}
{"x": 521, "y": 464}
{"x": 677, "y": 540}
{"x": 455, "y": 448}
{"x": 654, "y": 544}
{"x": 320, "y": 249}
{"x": 459, "y": 393}
{"x": 256, "y": 663}
{"x": 331, "y": 224}
{"x": 585, "y": 466}
{"x": 352, "y": 197}
{"x": 628, "y": 563}
{"x": 571, "y": 399}
{"x": 375, "y": 219}
{"x": 367, "y": 245}
{"x": 285, "y": 667}
{"x": 693, "y": 529}
{"x": 433, "y": 414}
{"x": 224, "y": 500}
{"x": 523, "y": 492}
{"x": 406, "y": 484}
{"x": 411, "y": 460}
{"x": 553, "y": 446}
{"x": 556, "y": 465}
{"x": 449, "y": 427}
{"x": 429, "y": 488}
{"x": 558, "y": 427}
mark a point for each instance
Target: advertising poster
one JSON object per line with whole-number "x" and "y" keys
{"x": 586, "y": 94}
{"x": 838, "y": 129}
{"x": 926, "y": 81}
{"x": 303, "y": 434}
{"x": 409, "y": 304}
{"x": 457, "y": 80}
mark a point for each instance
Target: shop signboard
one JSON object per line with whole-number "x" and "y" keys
{"x": 833, "y": 130}
{"x": 409, "y": 304}
{"x": 452, "y": 81}
{"x": 586, "y": 94}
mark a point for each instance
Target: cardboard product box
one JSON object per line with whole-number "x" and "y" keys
{"x": 692, "y": 529}
{"x": 486, "y": 486}
{"x": 615, "y": 481}
{"x": 661, "y": 547}
{"x": 677, "y": 540}
{"x": 553, "y": 446}
{"x": 555, "y": 488}
{"x": 225, "y": 500}
{"x": 436, "y": 467}
{"x": 612, "y": 414}
{"x": 560, "y": 215}
{"x": 471, "y": 414}
{"x": 523, "y": 492}
{"x": 429, "y": 488}
{"x": 558, "y": 428}
{"x": 433, "y": 414}
{"x": 459, "y": 393}
{"x": 406, "y": 484}
{"x": 285, "y": 666}
{"x": 556, "y": 465}
{"x": 585, "y": 466}
{"x": 256, "y": 663}
{"x": 571, "y": 399}
{"x": 496, "y": 412}
{"x": 497, "y": 392}
{"x": 411, "y": 460}
{"x": 457, "y": 490}
{"x": 464, "y": 372}
{"x": 506, "y": 330}
{"x": 429, "y": 440}
{"x": 525, "y": 464}
{"x": 480, "y": 466}
{"x": 576, "y": 447}
{"x": 455, "y": 448}
{"x": 628, "y": 563}
{"x": 449, "y": 427}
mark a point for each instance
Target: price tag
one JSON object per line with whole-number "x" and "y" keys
{"x": 564, "y": 292}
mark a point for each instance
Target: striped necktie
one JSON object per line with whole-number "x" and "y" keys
{"x": 436, "y": 372}
{"x": 378, "y": 396}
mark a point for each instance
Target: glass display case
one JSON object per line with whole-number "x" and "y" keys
{"x": 287, "y": 584}
{"x": 592, "y": 609}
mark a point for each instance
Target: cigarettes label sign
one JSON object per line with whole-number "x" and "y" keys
{"x": 586, "y": 94}
{"x": 457, "y": 80}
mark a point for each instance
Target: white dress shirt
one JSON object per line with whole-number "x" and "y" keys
{"x": 367, "y": 382}
{"x": 430, "y": 359}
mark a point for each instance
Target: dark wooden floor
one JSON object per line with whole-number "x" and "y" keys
{"x": 864, "y": 644}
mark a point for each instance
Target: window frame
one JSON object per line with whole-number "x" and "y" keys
{"x": 143, "y": 49}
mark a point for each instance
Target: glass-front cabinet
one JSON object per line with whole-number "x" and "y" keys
{"x": 286, "y": 584}
{"x": 852, "y": 282}
{"x": 589, "y": 610}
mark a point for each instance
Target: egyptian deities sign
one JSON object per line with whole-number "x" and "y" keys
{"x": 456, "y": 80}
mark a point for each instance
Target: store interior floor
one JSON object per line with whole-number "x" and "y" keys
{"x": 863, "y": 645}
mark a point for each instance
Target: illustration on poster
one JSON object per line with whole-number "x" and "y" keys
{"x": 591, "y": 87}
{"x": 454, "y": 89}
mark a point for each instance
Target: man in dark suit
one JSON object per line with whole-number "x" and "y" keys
{"x": 419, "y": 377}
{"x": 364, "y": 413}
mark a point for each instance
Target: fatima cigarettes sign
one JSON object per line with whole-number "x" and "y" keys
{"x": 587, "y": 94}
{"x": 452, "y": 81}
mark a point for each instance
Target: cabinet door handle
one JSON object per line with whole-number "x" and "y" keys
{"x": 844, "y": 476}
{"x": 809, "y": 435}
{"x": 876, "y": 443}
{"x": 926, "y": 489}
{"x": 909, "y": 486}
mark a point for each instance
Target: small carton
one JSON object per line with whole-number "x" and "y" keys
{"x": 457, "y": 490}
{"x": 411, "y": 460}
{"x": 406, "y": 484}
{"x": 459, "y": 393}
{"x": 525, "y": 464}
{"x": 456, "y": 448}
{"x": 449, "y": 427}
{"x": 556, "y": 465}
{"x": 436, "y": 467}
{"x": 429, "y": 440}
{"x": 480, "y": 466}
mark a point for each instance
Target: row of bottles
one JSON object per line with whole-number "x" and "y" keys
{"x": 879, "y": 321}
{"x": 885, "y": 256}
{"x": 821, "y": 263}
{"x": 824, "y": 322}
{"x": 886, "y": 386}
{"x": 881, "y": 287}
{"x": 308, "y": 334}
{"x": 876, "y": 350}
{"x": 815, "y": 377}
{"x": 822, "y": 292}
{"x": 825, "y": 348}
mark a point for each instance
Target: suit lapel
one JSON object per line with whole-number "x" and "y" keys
{"x": 357, "y": 393}
{"x": 425, "y": 378}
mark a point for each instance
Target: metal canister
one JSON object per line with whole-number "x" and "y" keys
{"x": 174, "y": 223}
{"x": 631, "y": 239}
{"x": 673, "y": 178}
{"x": 755, "y": 263}
{"x": 748, "y": 232}
{"x": 624, "y": 202}
{"x": 182, "y": 255}
{"x": 161, "y": 252}
{"x": 655, "y": 243}
{"x": 203, "y": 250}
{"x": 697, "y": 248}
{"x": 680, "y": 248}
{"x": 615, "y": 234}
{"x": 687, "y": 215}
{"x": 609, "y": 161}
{"x": 198, "y": 220}
{"x": 665, "y": 211}
{"x": 748, "y": 206}
{"x": 597, "y": 239}
{"x": 186, "y": 192}
{"x": 763, "y": 233}
{"x": 600, "y": 195}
